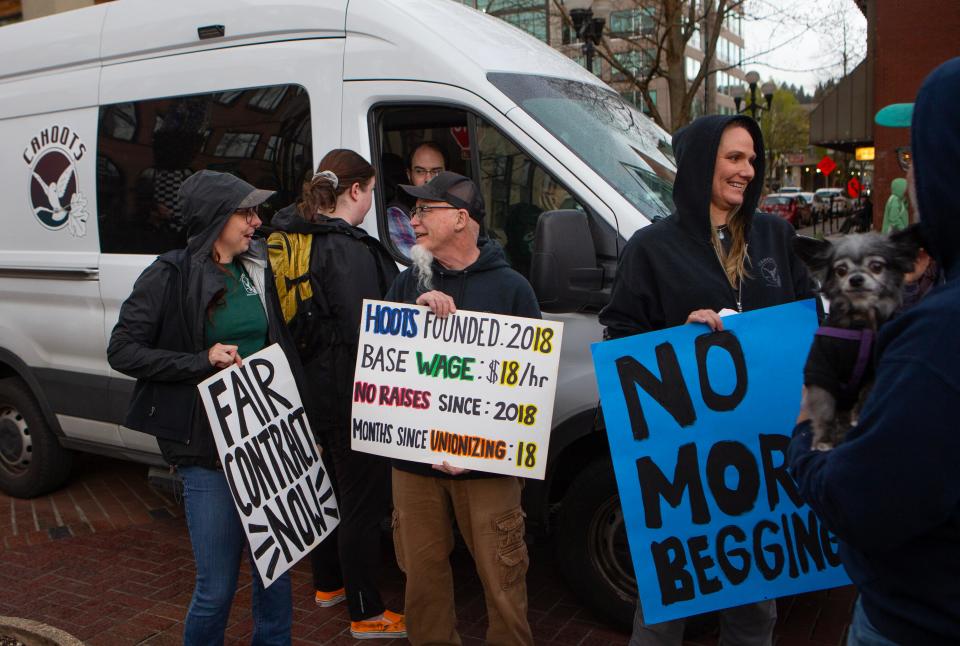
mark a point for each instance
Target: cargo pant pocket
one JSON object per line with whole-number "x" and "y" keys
{"x": 512, "y": 557}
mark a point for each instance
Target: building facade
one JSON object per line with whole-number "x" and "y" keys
{"x": 904, "y": 44}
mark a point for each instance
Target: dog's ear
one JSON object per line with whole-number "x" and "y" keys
{"x": 814, "y": 253}
{"x": 907, "y": 244}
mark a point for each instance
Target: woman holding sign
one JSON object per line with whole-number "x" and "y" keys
{"x": 346, "y": 266}
{"x": 714, "y": 255}
{"x": 192, "y": 312}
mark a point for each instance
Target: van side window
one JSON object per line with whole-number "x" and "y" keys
{"x": 516, "y": 189}
{"x": 146, "y": 149}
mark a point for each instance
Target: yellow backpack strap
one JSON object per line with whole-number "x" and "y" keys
{"x": 289, "y": 255}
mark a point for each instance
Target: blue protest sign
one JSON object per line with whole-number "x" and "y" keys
{"x": 698, "y": 424}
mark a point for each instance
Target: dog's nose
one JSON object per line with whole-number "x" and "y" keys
{"x": 856, "y": 281}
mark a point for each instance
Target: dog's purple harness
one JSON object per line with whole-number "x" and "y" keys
{"x": 865, "y": 337}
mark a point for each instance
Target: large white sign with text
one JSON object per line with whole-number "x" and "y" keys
{"x": 474, "y": 390}
{"x": 271, "y": 462}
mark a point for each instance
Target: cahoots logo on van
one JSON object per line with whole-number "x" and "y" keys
{"x": 55, "y": 195}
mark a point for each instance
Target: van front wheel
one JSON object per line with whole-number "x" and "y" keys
{"x": 592, "y": 545}
{"x": 32, "y": 462}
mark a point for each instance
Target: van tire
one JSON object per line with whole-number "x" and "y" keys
{"x": 591, "y": 511}
{"x": 591, "y": 543}
{"x": 32, "y": 461}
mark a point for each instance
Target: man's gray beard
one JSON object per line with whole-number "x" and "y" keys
{"x": 423, "y": 266}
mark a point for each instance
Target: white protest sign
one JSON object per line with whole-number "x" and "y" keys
{"x": 279, "y": 485}
{"x": 475, "y": 389}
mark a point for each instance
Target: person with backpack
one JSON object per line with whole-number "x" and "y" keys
{"x": 191, "y": 313}
{"x": 325, "y": 265}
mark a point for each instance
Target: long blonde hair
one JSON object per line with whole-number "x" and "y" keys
{"x": 736, "y": 261}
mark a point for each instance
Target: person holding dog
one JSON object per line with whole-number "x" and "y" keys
{"x": 891, "y": 490}
{"x": 714, "y": 254}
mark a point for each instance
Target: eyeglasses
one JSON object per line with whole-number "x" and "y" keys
{"x": 421, "y": 211}
{"x": 904, "y": 158}
{"x": 419, "y": 171}
{"x": 249, "y": 214}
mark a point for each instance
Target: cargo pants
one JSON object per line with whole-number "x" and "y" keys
{"x": 488, "y": 513}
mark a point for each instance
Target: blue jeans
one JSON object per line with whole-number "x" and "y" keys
{"x": 862, "y": 632}
{"x": 218, "y": 540}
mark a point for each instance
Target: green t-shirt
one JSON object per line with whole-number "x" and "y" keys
{"x": 240, "y": 320}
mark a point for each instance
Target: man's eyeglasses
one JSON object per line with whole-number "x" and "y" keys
{"x": 249, "y": 214}
{"x": 422, "y": 211}
{"x": 429, "y": 173}
{"x": 904, "y": 158}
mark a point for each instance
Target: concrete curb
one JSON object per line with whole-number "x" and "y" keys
{"x": 34, "y": 633}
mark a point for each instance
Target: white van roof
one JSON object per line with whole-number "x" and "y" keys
{"x": 437, "y": 40}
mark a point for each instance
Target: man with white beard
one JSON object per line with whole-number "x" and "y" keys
{"x": 454, "y": 267}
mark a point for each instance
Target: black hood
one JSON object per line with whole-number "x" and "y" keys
{"x": 208, "y": 199}
{"x": 695, "y": 148}
{"x": 491, "y": 257}
{"x": 935, "y": 143}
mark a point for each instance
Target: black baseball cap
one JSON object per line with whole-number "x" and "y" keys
{"x": 451, "y": 187}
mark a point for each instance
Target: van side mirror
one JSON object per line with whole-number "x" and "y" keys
{"x": 564, "y": 271}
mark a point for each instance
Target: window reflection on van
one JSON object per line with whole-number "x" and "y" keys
{"x": 146, "y": 149}
{"x": 624, "y": 147}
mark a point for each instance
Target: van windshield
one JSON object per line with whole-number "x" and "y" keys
{"x": 625, "y": 147}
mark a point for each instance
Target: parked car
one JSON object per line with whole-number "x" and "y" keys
{"x": 789, "y": 207}
{"x": 806, "y": 217}
{"x": 790, "y": 189}
{"x": 828, "y": 200}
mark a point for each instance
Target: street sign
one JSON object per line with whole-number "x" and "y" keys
{"x": 865, "y": 153}
{"x": 826, "y": 165}
{"x": 854, "y": 187}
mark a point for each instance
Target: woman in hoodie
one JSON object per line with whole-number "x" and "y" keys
{"x": 895, "y": 215}
{"x": 715, "y": 254}
{"x": 347, "y": 265}
{"x": 192, "y": 312}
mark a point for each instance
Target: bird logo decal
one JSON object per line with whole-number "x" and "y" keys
{"x": 54, "y": 193}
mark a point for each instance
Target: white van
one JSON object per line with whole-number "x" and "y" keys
{"x": 104, "y": 111}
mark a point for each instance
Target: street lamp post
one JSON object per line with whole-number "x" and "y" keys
{"x": 589, "y": 27}
{"x": 754, "y": 108}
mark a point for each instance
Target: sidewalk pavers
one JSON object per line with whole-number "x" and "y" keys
{"x": 108, "y": 560}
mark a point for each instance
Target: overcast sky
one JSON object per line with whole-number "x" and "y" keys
{"x": 801, "y": 41}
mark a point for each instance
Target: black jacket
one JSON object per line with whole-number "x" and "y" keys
{"x": 159, "y": 337}
{"x": 347, "y": 265}
{"x": 669, "y": 268}
{"x": 488, "y": 285}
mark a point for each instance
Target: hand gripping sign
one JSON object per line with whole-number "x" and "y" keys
{"x": 475, "y": 389}
{"x": 279, "y": 485}
{"x": 698, "y": 424}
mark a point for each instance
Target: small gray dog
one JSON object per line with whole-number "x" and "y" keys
{"x": 861, "y": 275}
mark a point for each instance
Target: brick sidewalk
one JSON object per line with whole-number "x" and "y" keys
{"x": 108, "y": 560}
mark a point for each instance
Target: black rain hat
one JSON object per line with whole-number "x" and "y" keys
{"x": 451, "y": 187}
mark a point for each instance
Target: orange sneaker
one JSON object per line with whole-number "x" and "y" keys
{"x": 327, "y": 599}
{"x": 391, "y": 626}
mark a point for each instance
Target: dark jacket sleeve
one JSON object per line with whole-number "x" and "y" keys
{"x": 894, "y": 478}
{"x": 525, "y": 301}
{"x": 634, "y": 306}
{"x": 349, "y": 275}
{"x": 802, "y": 281}
{"x": 132, "y": 349}
{"x": 397, "y": 290}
